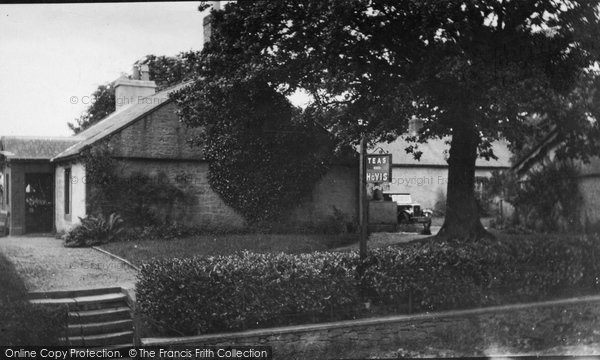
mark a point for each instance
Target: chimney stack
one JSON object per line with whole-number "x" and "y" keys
{"x": 207, "y": 21}
{"x": 414, "y": 125}
{"x": 131, "y": 91}
{"x": 207, "y": 28}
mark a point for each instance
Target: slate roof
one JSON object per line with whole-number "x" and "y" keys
{"x": 435, "y": 153}
{"x": 118, "y": 120}
{"x": 538, "y": 152}
{"x": 34, "y": 148}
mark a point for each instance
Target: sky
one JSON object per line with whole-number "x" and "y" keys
{"x": 53, "y": 56}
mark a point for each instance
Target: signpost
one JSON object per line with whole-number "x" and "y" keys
{"x": 363, "y": 205}
{"x": 374, "y": 168}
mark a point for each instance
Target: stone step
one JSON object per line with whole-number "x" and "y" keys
{"x": 73, "y": 293}
{"x": 100, "y": 327}
{"x": 104, "y": 340}
{"x": 91, "y": 302}
{"x": 101, "y": 315}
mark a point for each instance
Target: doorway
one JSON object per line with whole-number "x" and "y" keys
{"x": 39, "y": 202}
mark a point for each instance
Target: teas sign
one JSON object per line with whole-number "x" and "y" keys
{"x": 379, "y": 168}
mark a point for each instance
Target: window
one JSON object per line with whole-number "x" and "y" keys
{"x": 67, "y": 191}
{"x": 7, "y": 187}
{"x": 480, "y": 185}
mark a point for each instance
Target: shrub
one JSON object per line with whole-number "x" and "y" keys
{"x": 439, "y": 209}
{"x": 22, "y": 323}
{"x": 247, "y": 290}
{"x": 94, "y": 230}
{"x": 549, "y": 199}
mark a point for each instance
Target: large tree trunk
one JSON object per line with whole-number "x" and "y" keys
{"x": 462, "y": 220}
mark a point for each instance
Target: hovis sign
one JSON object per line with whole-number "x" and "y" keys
{"x": 379, "y": 168}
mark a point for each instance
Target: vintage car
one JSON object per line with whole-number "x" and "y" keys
{"x": 409, "y": 212}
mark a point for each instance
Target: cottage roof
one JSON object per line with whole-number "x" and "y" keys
{"x": 34, "y": 148}
{"x": 538, "y": 152}
{"x": 435, "y": 153}
{"x": 118, "y": 120}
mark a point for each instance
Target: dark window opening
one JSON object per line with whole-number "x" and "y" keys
{"x": 67, "y": 191}
{"x": 7, "y": 187}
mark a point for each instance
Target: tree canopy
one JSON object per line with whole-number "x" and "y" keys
{"x": 164, "y": 70}
{"x": 474, "y": 70}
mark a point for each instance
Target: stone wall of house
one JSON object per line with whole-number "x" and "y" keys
{"x": 337, "y": 189}
{"x": 65, "y": 222}
{"x": 589, "y": 190}
{"x": 493, "y": 327}
{"x": 158, "y": 135}
{"x": 205, "y": 208}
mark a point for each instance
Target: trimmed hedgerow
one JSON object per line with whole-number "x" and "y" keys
{"x": 247, "y": 290}
{"x": 244, "y": 290}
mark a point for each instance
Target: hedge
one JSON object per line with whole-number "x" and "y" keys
{"x": 248, "y": 290}
{"x": 22, "y": 323}
{"x": 243, "y": 290}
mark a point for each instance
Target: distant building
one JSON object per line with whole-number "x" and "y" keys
{"x": 426, "y": 179}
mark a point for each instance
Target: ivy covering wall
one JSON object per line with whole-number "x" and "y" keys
{"x": 265, "y": 156}
{"x": 141, "y": 199}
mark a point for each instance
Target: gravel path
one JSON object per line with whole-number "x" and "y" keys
{"x": 45, "y": 264}
{"x": 383, "y": 239}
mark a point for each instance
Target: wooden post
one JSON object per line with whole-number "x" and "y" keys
{"x": 362, "y": 199}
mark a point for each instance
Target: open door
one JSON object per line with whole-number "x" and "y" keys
{"x": 39, "y": 202}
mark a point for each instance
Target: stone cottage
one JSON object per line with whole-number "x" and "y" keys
{"x": 146, "y": 136}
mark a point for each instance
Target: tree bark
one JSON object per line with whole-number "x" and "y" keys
{"x": 462, "y": 221}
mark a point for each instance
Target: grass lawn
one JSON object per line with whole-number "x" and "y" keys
{"x": 12, "y": 287}
{"x": 139, "y": 252}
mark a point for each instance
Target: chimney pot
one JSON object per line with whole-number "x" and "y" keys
{"x": 414, "y": 125}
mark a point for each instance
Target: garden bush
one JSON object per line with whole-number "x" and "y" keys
{"x": 22, "y": 323}
{"x": 247, "y": 290}
{"x": 94, "y": 230}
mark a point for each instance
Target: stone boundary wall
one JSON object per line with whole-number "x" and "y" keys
{"x": 366, "y": 337}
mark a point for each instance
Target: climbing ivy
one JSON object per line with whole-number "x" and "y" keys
{"x": 140, "y": 199}
{"x": 264, "y": 155}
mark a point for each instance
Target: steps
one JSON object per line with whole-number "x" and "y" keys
{"x": 96, "y": 317}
